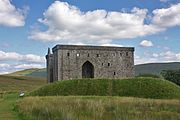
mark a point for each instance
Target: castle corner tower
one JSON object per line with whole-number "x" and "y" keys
{"x": 49, "y": 66}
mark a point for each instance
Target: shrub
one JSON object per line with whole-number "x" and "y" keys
{"x": 172, "y": 75}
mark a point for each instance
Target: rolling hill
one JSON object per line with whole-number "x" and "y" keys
{"x": 155, "y": 68}
{"x": 20, "y": 83}
{"x": 34, "y": 72}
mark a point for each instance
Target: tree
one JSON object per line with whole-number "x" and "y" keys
{"x": 172, "y": 75}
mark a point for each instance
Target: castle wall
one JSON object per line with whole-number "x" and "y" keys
{"x": 108, "y": 62}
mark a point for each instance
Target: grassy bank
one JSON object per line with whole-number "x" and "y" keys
{"x": 134, "y": 87}
{"x": 98, "y": 108}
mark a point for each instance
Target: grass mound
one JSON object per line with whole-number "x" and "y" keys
{"x": 134, "y": 87}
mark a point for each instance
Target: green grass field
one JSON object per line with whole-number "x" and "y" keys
{"x": 7, "y": 103}
{"x": 10, "y": 86}
{"x": 105, "y": 106}
{"x": 98, "y": 108}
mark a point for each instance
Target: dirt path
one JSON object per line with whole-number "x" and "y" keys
{"x": 6, "y": 107}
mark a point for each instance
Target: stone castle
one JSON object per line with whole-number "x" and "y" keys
{"x": 79, "y": 61}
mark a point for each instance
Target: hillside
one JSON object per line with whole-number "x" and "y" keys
{"x": 34, "y": 72}
{"x": 20, "y": 83}
{"x": 133, "y": 87}
{"x": 155, "y": 68}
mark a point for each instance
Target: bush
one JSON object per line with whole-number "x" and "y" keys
{"x": 172, "y": 75}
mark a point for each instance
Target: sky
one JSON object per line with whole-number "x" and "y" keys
{"x": 29, "y": 27}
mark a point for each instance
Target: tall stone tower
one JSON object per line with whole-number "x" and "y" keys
{"x": 49, "y": 63}
{"x": 79, "y": 61}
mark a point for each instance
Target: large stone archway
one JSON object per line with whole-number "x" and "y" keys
{"x": 87, "y": 70}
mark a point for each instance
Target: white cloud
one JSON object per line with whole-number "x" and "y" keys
{"x": 13, "y": 56}
{"x": 146, "y": 43}
{"x": 116, "y": 45}
{"x": 11, "y": 16}
{"x": 167, "y": 56}
{"x": 9, "y": 68}
{"x": 68, "y": 24}
{"x": 27, "y": 66}
{"x": 168, "y": 17}
{"x": 170, "y": 56}
{"x": 143, "y": 60}
{"x": 9, "y": 56}
{"x": 155, "y": 55}
{"x": 33, "y": 58}
{"x": 12, "y": 61}
{"x": 4, "y": 65}
{"x": 2, "y": 73}
{"x": 163, "y": 0}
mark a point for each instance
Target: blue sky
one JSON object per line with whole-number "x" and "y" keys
{"x": 29, "y": 27}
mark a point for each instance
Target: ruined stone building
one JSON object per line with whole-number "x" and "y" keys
{"x": 79, "y": 61}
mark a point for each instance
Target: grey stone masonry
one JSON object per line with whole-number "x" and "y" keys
{"x": 79, "y": 61}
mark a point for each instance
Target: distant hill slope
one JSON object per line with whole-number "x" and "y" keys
{"x": 34, "y": 72}
{"x": 151, "y": 68}
{"x": 20, "y": 83}
{"x": 155, "y": 68}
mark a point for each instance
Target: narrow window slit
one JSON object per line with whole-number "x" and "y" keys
{"x": 108, "y": 64}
